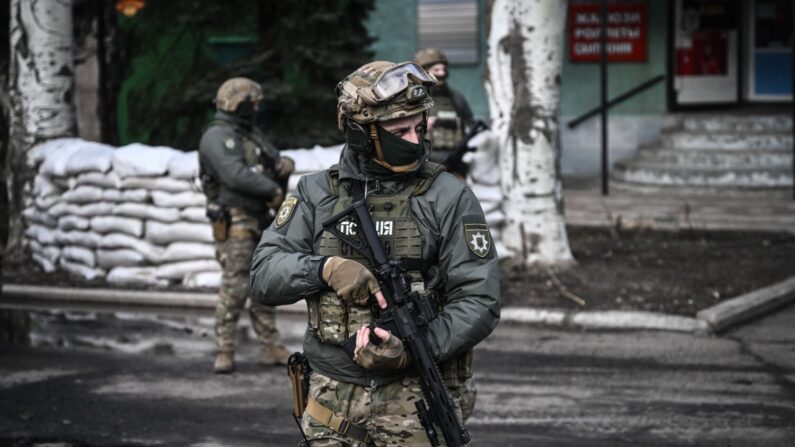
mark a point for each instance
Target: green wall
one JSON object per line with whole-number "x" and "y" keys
{"x": 581, "y": 80}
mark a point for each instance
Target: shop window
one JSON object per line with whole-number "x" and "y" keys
{"x": 452, "y": 26}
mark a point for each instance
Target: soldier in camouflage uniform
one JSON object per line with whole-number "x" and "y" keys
{"x": 429, "y": 222}
{"x": 450, "y": 117}
{"x": 244, "y": 179}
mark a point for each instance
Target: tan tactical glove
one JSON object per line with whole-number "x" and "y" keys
{"x": 351, "y": 280}
{"x": 390, "y": 354}
{"x": 284, "y": 167}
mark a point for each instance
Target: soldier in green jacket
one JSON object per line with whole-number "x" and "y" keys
{"x": 450, "y": 118}
{"x": 429, "y": 222}
{"x": 244, "y": 179}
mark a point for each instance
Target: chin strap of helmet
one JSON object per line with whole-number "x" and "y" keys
{"x": 379, "y": 154}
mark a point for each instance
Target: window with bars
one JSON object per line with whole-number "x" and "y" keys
{"x": 452, "y": 26}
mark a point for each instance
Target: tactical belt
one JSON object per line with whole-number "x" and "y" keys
{"x": 339, "y": 424}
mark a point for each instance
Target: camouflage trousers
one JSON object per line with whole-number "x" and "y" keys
{"x": 235, "y": 255}
{"x": 388, "y": 413}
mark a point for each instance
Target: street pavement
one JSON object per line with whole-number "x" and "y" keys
{"x": 95, "y": 379}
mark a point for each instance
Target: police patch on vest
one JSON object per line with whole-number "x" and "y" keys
{"x": 229, "y": 143}
{"x": 286, "y": 211}
{"x": 478, "y": 239}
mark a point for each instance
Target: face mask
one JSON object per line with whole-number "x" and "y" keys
{"x": 399, "y": 152}
{"x": 245, "y": 111}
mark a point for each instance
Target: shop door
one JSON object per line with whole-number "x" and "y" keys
{"x": 706, "y": 39}
{"x": 770, "y": 51}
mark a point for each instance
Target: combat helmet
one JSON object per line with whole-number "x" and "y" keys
{"x": 234, "y": 91}
{"x": 428, "y": 57}
{"x": 380, "y": 91}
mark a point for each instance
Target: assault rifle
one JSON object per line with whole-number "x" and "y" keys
{"x": 406, "y": 314}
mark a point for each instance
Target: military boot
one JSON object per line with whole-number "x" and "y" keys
{"x": 224, "y": 362}
{"x": 273, "y": 355}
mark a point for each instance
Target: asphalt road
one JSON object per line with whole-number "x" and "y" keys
{"x": 131, "y": 379}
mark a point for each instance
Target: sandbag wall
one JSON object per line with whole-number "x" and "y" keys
{"x": 135, "y": 214}
{"x": 132, "y": 215}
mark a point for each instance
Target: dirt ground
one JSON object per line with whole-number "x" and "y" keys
{"x": 672, "y": 272}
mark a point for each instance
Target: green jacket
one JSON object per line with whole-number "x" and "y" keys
{"x": 241, "y": 160}
{"x": 285, "y": 268}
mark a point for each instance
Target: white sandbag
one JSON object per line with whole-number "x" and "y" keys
{"x": 121, "y": 257}
{"x": 488, "y": 207}
{"x": 141, "y": 160}
{"x": 80, "y": 255}
{"x": 495, "y": 218}
{"x": 34, "y": 215}
{"x": 181, "y": 251}
{"x": 157, "y": 183}
{"x": 163, "y": 233}
{"x": 88, "y": 239}
{"x": 152, "y": 253}
{"x": 45, "y": 264}
{"x": 103, "y": 180}
{"x": 485, "y": 193}
{"x": 178, "y": 270}
{"x": 54, "y": 164}
{"x": 83, "y": 194}
{"x": 292, "y": 182}
{"x": 81, "y": 270}
{"x": 117, "y": 224}
{"x": 503, "y": 252}
{"x": 312, "y": 160}
{"x": 484, "y": 162}
{"x": 42, "y": 151}
{"x": 135, "y": 195}
{"x": 184, "y": 165}
{"x": 144, "y": 276}
{"x": 179, "y": 200}
{"x": 144, "y": 211}
{"x": 41, "y": 234}
{"x": 70, "y": 222}
{"x": 111, "y": 195}
{"x": 194, "y": 214}
{"x": 44, "y": 203}
{"x": 49, "y": 252}
{"x": 92, "y": 209}
{"x": 202, "y": 279}
{"x": 61, "y": 182}
{"x": 43, "y": 186}
{"x": 92, "y": 156}
{"x": 60, "y": 209}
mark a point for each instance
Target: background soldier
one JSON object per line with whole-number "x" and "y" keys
{"x": 244, "y": 178}
{"x": 450, "y": 117}
{"x": 428, "y": 221}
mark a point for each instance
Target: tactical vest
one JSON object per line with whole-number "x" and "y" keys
{"x": 257, "y": 154}
{"x": 331, "y": 319}
{"x": 448, "y": 130}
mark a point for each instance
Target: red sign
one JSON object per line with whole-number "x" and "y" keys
{"x": 627, "y": 28}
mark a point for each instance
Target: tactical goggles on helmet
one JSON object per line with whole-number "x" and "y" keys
{"x": 395, "y": 80}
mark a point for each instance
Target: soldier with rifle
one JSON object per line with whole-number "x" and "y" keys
{"x": 397, "y": 266}
{"x": 244, "y": 179}
{"x": 450, "y": 120}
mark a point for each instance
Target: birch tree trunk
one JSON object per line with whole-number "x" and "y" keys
{"x": 525, "y": 58}
{"x": 41, "y": 88}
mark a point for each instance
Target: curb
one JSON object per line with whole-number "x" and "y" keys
{"x": 713, "y": 319}
{"x": 748, "y": 306}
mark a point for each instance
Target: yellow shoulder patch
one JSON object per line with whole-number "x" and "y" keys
{"x": 286, "y": 211}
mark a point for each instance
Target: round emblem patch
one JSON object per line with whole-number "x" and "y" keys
{"x": 230, "y": 143}
{"x": 286, "y": 211}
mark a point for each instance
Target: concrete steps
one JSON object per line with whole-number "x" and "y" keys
{"x": 714, "y": 151}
